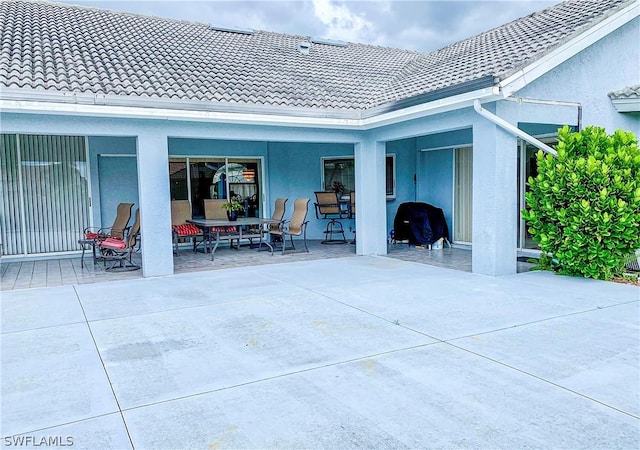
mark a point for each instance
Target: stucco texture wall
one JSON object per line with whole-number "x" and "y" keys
{"x": 609, "y": 65}
{"x": 295, "y": 171}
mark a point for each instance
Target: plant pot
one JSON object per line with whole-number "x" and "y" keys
{"x": 232, "y": 215}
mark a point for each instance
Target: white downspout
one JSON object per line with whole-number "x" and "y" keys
{"x": 512, "y": 129}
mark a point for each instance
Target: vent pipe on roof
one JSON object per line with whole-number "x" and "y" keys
{"x": 304, "y": 47}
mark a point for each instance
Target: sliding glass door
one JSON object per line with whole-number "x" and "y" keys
{"x": 463, "y": 195}
{"x": 200, "y": 178}
{"x": 45, "y": 193}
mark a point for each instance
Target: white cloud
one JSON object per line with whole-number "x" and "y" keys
{"x": 341, "y": 22}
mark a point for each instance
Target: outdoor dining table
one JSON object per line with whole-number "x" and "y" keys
{"x": 214, "y": 235}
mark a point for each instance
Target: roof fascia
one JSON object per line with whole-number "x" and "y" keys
{"x": 134, "y": 112}
{"x": 524, "y": 76}
{"x": 625, "y": 105}
{"x": 450, "y": 91}
{"x": 442, "y": 105}
{"x": 87, "y": 98}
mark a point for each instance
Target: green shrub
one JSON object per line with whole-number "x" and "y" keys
{"x": 583, "y": 207}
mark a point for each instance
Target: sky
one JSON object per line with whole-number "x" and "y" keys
{"x": 421, "y": 25}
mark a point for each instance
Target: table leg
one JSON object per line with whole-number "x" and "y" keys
{"x": 213, "y": 250}
{"x": 263, "y": 241}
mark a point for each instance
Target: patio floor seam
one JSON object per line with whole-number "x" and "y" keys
{"x": 104, "y": 367}
{"x": 286, "y": 374}
{"x": 8, "y": 333}
{"x": 71, "y": 422}
{"x": 493, "y": 360}
{"x": 547, "y": 319}
{"x": 180, "y": 308}
{"x": 448, "y": 342}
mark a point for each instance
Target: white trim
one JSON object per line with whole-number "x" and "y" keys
{"x": 625, "y": 105}
{"x": 434, "y": 107}
{"x": 138, "y": 112}
{"x": 574, "y": 46}
{"x": 446, "y": 147}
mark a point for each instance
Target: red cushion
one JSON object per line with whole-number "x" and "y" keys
{"x": 92, "y": 235}
{"x": 113, "y": 243}
{"x": 188, "y": 229}
{"x": 223, "y": 229}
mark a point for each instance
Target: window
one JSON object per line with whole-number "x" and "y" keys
{"x": 340, "y": 173}
{"x": 198, "y": 179}
{"x": 390, "y": 169}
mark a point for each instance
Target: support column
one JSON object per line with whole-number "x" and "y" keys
{"x": 495, "y": 200}
{"x": 371, "y": 204}
{"x": 155, "y": 205}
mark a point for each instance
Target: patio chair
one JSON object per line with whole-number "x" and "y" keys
{"x": 296, "y": 226}
{"x": 119, "y": 252}
{"x": 275, "y": 229}
{"x": 117, "y": 230}
{"x": 181, "y": 230}
{"x": 93, "y": 235}
{"x": 328, "y": 207}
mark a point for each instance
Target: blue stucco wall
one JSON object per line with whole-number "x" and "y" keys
{"x": 405, "y": 151}
{"x": 435, "y": 177}
{"x": 435, "y": 180}
{"x": 220, "y": 148}
{"x": 113, "y": 179}
{"x": 295, "y": 171}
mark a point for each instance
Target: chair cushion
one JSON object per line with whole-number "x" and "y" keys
{"x": 113, "y": 243}
{"x": 223, "y": 229}
{"x": 188, "y": 229}
{"x": 92, "y": 235}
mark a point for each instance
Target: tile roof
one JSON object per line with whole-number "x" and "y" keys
{"x": 72, "y": 49}
{"x": 629, "y": 92}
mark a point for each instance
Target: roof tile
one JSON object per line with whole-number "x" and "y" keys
{"x": 104, "y": 52}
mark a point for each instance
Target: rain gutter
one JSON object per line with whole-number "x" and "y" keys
{"x": 512, "y": 129}
{"x": 100, "y": 105}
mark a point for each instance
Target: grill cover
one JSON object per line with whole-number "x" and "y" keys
{"x": 419, "y": 223}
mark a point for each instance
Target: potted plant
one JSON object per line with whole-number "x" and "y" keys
{"x": 233, "y": 207}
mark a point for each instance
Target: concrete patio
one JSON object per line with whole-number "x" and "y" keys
{"x": 347, "y": 352}
{"x": 24, "y": 274}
